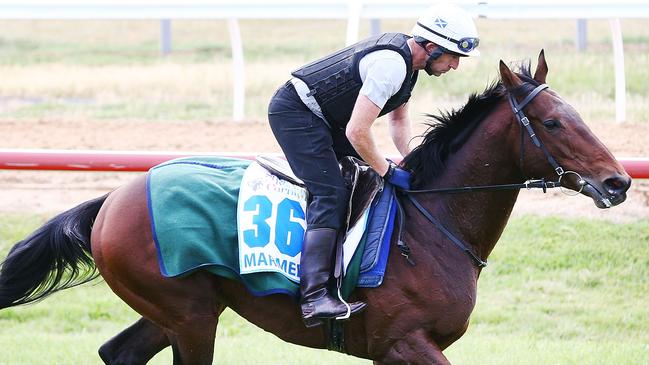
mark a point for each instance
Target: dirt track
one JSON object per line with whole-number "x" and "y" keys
{"x": 49, "y": 192}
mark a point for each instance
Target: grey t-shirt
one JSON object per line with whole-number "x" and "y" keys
{"x": 382, "y": 73}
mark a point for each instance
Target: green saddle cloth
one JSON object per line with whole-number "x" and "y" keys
{"x": 193, "y": 209}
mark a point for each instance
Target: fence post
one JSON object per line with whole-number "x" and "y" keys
{"x": 582, "y": 35}
{"x": 353, "y": 21}
{"x": 375, "y": 26}
{"x": 238, "y": 77}
{"x": 620, "y": 83}
{"x": 165, "y": 37}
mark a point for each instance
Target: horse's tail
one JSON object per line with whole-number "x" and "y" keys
{"x": 55, "y": 257}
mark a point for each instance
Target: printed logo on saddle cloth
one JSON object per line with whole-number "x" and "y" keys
{"x": 271, "y": 223}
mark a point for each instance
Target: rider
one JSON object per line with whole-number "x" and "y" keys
{"x": 325, "y": 113}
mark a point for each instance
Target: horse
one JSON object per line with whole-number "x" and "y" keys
{"x": 515, "y": 129}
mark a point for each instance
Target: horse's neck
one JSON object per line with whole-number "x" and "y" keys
{"x": 478, "y": 218}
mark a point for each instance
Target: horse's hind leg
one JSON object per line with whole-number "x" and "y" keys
{"x": 187, "y": 308}
{"x": 140, "y": 342}
{"x": 135, "y": 345}
{"x": 191, "y": 328}
{"x": 193, "y": 343}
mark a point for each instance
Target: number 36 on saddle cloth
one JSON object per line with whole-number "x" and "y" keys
{"x": 190, "y": 199}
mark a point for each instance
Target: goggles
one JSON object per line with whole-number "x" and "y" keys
{"x": 466, "y": 44}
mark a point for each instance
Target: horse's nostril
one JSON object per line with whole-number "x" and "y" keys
{"x": 617, "y": 185}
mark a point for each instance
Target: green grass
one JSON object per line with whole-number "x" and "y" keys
{"x": 113, "y": 69}
{"x": 558, "y": 291}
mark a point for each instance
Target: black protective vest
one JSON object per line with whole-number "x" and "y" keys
{"x": 334, "y": 81}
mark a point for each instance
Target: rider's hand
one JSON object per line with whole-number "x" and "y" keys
{"x": 398, "y": 177}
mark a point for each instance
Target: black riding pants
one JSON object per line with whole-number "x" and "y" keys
{"x": 312, "y": 151}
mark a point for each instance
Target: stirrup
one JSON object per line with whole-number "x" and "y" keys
{"x": 312, "y": 322}
{"x": 349, "y": 307}
{"x": 315, "y": 321}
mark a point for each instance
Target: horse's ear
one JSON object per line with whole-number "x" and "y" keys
{"x": 541, "y": 69}
{"x": 508, "y": 78}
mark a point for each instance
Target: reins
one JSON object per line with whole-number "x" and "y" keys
{"x": 478, "y": 261}
{"x": 529, "y": 184}
{"x": 517, "y": 109}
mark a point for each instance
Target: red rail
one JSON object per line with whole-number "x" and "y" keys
{"x": 86, "y": 160}
{"x": 80, "y": 160}
{"x": 638, "y": 168}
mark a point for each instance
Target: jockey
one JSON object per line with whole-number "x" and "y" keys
{"x": 325, "y": 113}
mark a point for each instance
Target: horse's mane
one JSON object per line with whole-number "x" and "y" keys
{"x": 449, "y": 131}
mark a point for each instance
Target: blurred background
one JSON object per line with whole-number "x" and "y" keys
{"x": 567, "y": 283}
{"x": 100, "y": 69}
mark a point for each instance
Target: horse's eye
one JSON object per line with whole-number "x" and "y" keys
{"x": 551, "y": 124}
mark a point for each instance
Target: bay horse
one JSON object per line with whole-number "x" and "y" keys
{"x": 517, "y": 128}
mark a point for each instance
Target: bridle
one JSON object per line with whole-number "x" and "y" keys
{"x": 517, "y": 109}
{"x": 525, "y": 125}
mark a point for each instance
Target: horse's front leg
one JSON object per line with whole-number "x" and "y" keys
{"x": 413, "y": 349}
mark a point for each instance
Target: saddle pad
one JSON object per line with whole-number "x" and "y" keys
{"x": 379, "y": 234}
{"x": 193, "y": 209}
{"x": 271, "y": 222}
{"x": 370, "y": 259}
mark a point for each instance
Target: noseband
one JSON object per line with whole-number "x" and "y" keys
{"x": 517, "y": 109}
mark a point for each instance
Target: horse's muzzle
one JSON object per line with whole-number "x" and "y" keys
{"x": 610, "y": 192}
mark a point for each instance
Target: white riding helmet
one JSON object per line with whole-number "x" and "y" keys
{"x": 449, "y": 26}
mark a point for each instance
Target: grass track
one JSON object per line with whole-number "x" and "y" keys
{"x": 556, "y": 291}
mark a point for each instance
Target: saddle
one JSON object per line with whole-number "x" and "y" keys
{"x": 361, "y": 181}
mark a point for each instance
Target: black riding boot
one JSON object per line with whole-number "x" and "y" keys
{"x": 315, "y": 270}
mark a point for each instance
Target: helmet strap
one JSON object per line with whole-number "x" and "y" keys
{"x": 435, "y": 54}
